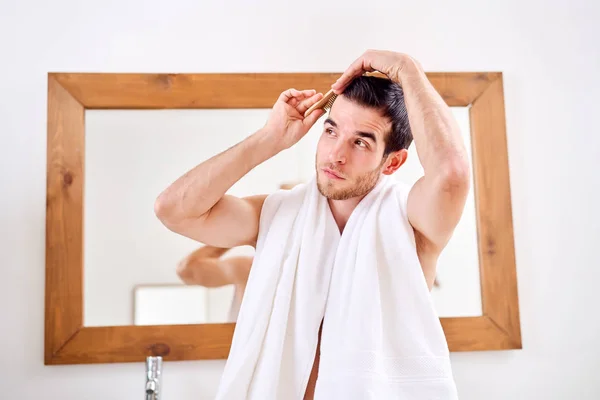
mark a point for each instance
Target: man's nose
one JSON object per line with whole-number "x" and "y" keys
{"x": 337, "y": 154}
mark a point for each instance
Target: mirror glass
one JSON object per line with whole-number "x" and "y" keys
{"x": 137, "y": 272}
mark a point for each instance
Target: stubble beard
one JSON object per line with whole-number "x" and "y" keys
{"x": 360, "y": 187}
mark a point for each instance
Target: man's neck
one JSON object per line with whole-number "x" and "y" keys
{"x": 342, "y": 209}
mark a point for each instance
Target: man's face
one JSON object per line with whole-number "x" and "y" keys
{"x": 349, "y": 157}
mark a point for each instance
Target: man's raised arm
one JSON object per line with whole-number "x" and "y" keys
{"x": 196, "y": 206}
{"x": 436, "y": 201}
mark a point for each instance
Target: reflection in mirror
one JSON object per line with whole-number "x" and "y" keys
{"x": 136, "y": 272}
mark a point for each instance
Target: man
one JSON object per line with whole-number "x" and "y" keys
{"x": 206, "y": 267}
{"x": 366, "y": 135}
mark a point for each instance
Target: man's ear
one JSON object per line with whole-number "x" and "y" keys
{"x": 395, "y": 161}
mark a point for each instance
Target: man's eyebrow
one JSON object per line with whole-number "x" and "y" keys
{"x": 368, "y": 135}
{"x": 330, "y": 122}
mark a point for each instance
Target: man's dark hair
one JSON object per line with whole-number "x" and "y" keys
{"x": 387, "y": 97}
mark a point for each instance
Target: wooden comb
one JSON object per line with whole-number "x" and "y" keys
{"x": 325, "y": 103}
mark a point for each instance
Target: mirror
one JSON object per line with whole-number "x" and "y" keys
{"x": 120, "y": 287}
{"x": 134, "y": 272}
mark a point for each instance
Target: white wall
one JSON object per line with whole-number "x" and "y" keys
{"x": 550, "y": 58}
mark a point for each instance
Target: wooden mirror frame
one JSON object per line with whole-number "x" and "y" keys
{"x": 67, "y": 341}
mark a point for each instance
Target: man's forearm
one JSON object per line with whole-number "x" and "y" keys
{"x": 435, "y": 132}
{"x": 197, "y": 191}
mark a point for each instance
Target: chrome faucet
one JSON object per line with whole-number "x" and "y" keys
{"x": 153, "y": 371}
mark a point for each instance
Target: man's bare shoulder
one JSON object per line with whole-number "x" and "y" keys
{"x": 257, "y": 202}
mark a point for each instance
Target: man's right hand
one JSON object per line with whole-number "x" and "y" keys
{"x": 286, "y": 124}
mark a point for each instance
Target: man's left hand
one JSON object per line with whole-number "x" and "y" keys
{"x": 392, "y": 64}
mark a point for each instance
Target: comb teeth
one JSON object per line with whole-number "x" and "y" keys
{"x": 325, "y": 103}
{"x": 329, "y": 103}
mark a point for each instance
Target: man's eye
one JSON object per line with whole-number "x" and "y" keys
{"x": 361, "y": 143}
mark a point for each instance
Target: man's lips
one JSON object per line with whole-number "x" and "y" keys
{"x": 331, "y": 174}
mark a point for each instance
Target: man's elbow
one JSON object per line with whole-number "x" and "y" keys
{"x": 161, "y": 206}
{"x": 164, "y": 209}
{"x": 171, "y": 213}
{"x": 184, "y": 271}
{"x": 455, "y": 176}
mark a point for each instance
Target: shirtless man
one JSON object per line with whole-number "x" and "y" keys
{"x": 366, "y": 134}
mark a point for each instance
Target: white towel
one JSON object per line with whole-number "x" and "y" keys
{"x": 381, "y": 338}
